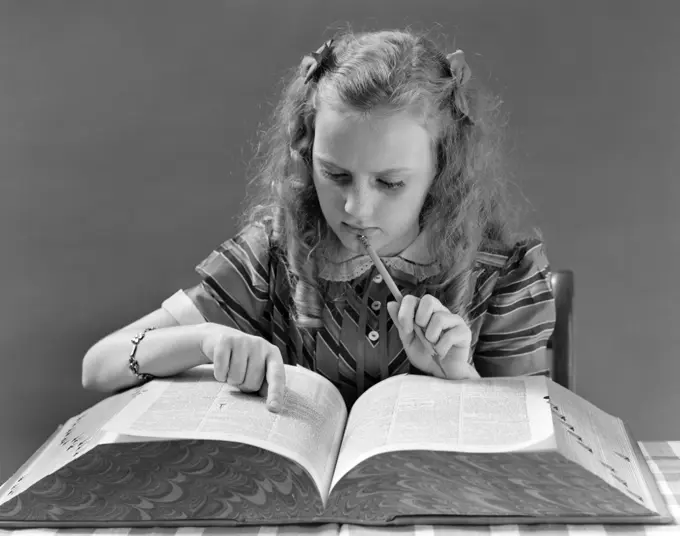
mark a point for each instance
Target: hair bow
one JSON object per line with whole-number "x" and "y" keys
{"x": 321, "y": 60}
{"x": 461, "y": 73}
{"x": 459, "y": 68}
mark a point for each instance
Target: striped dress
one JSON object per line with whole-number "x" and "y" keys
{"x": 242, "y": 285}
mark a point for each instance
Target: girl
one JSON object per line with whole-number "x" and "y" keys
{"x": 377, "y": 134}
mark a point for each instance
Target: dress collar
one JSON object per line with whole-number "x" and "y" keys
{"x": 337, "y": 263}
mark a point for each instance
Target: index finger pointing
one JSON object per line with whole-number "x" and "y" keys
{"x": 275, "y": 374}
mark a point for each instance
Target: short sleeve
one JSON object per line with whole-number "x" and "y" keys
{"x": 182, "y": 309}
{"x": 234, "y": 287}
{"x": 520, "y": 316}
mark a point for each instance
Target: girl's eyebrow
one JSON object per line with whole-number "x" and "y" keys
{"x": 327, "y": 162}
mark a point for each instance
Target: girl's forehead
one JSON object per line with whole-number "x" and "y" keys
{"x": 381, "y": 140}
{"x": 379, "y": 117}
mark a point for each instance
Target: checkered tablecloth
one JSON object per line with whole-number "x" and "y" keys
{"x": 663, "y": 459}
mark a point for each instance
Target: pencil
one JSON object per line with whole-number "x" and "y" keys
{"x": 382, "y": 270}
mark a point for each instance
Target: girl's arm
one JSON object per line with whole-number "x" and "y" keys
{"x": 513, "y": 337}
{"x": 165, "y": 351}
{"x": 238, "y": 273}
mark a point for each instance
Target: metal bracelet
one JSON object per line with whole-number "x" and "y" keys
{"x": 134, "y": 365}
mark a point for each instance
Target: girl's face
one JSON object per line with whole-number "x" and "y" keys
{"x": 371, "y": 176}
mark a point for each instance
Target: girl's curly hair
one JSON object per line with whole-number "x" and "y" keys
{"x": 467, "y": 207}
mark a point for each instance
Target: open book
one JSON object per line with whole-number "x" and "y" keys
{"x": 414, "y": 449}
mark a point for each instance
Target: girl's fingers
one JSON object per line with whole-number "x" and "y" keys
{"x": 249, "y": 363}
{"x": 393, "y": 311}
{"x": 221, "y": 359}
{"x": 458, "y": 336}
{"x": 440, "y": 321}
{"x": 265, "y": 373}
{"x": 238, "y": 367}
{"x": 407, "y": 311}
{"x": 441, "y": 329}
{"x": 275, "y": 379}
{"x": 255, "y": 369}
{"x": 427, "y": 305}
{"x": 405, "y": 336}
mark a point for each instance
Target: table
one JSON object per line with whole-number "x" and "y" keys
{"x": 663, "y": 458}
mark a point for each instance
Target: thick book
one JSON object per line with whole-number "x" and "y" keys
{"x": 414, "y": 449}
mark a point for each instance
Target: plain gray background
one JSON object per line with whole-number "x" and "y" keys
{"x": 126, "y": 128}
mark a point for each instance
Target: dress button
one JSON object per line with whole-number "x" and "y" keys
{"x": 378, "y": 279}
{"x": 375, "y": 306}
{"x": 373, "y": 336}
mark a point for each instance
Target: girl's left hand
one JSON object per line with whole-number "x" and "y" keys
{"x": 447, "y": 332}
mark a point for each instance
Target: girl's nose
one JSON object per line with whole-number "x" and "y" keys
{"x": 358, "y": 202}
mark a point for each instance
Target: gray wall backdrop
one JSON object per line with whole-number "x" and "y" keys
{"x": 126, "y": 128}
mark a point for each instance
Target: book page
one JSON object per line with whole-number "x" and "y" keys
{"x": 599, "y": 442}
{"x": 77, "y": 436}
{"x": 411, "y": 412}
{"x": 308, "y": 429}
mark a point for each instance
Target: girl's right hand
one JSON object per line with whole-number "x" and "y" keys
{"x": 246, "y": 361}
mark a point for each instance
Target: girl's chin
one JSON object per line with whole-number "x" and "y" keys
{"x": 352, "y": 243}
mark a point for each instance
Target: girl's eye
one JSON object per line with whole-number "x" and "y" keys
{"x": 342, "y": 177}
{"x": 391, "y": 185}
{"x": 335, "y": 176}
